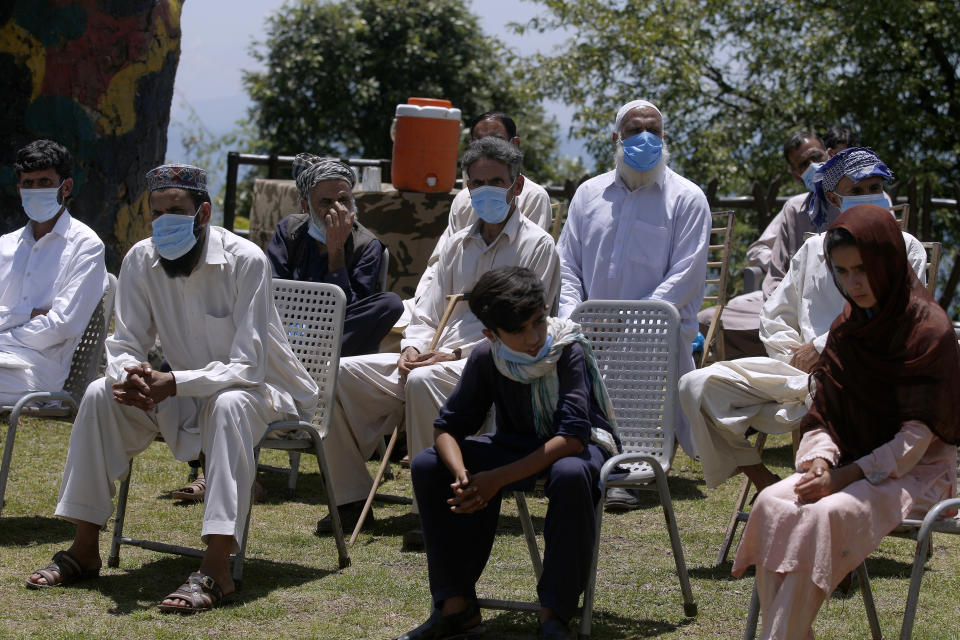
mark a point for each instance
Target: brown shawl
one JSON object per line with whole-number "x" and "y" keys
{"x": 901, "y": 364}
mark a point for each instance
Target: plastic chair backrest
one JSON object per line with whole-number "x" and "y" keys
{"x": 636, "y": 344}
{"x": 311, "y": 315}
{"x": 88, "y": 356}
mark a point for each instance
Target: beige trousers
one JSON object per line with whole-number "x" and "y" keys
{"x": 371, "y": 400}
{"x": 723, "y": 400}
{"x": 107, "y": 435}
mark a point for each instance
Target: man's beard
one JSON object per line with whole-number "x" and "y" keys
{"x": 638, "y": 179}
{"x": 183, "y": 266}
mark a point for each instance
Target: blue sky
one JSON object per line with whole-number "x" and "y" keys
{"x": 217, "y": 36}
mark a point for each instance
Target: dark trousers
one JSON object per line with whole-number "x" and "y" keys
{"x": 458, "y": 545}
{"x": 367, "y": 321}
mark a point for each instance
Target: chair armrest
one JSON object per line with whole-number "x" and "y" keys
{"x": 934, "y": 514}
{"x": 625, "y": 458}
{"x": 46, "y": 396}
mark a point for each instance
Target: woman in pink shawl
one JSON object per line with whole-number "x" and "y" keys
{"x": 879, "y": 443}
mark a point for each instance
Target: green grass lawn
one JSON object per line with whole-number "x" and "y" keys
{"x": 292, "y": 587}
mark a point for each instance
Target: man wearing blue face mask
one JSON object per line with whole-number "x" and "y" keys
{"x": 52, "y": 276}
{"x": 206, "y": 294}
{"x": 325, "y": 243}
{"x": 377, "y": 391}
{"x": 638, "y": 232}
{"x": 804, "y": 153}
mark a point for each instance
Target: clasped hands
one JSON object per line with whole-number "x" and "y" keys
{"x": 143, "y": 387}
{"x": 820, "y": 480}
{"x": 472, "y": 492}
{"x": 411, "y": 359}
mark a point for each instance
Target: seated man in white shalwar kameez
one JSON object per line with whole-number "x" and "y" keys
{"x": 639, "y": 232}
{"x": 770, "y": 394}
{"x": 207, "y": 294}
{"x": 52, "y": 277}
{"x": 376, "y": 392}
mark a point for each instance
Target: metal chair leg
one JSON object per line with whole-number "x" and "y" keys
{"x": 689, "y": 604}
{"x": 753, "y": 614}
{"x": 590, "y": 590}
{"x": 8, "y": 454}
{"x": 868, "y": 603}
{"x": 294, "y": 457}
{"x": 343, "y": 557}
{"x": 113, "y": 560}
{"x": 738, "y": 515}
{"x": 528, "y": 532}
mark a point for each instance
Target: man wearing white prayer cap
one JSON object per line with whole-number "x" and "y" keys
{"x": 638, "y": 232}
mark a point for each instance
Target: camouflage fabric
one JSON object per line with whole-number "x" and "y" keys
{"x": 407, "y": 223}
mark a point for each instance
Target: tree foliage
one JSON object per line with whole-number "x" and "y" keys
{"x": 734, "y": 78}
{"x": 334, "y": 73}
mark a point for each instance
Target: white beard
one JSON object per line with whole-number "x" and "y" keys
{"x": 639, "y": 179}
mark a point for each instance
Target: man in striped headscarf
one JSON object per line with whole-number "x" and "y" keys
{"x": 325, "y": 243}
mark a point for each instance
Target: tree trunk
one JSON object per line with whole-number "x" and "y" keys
{"x": 96, "y": 76}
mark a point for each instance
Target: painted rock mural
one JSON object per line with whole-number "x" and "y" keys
{"x": 96, "y": 76}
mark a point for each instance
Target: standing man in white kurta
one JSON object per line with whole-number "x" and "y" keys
{"x": 207, "y": 294}
{"x": 639, "y": 232}
{"x": 375, "y": 392}
{"x": 770, "y": 394}
{"x": 52, "y": 277}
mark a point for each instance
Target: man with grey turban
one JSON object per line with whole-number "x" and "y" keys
{"x": 638, "y": 232}
{"x": 325, "y": 243}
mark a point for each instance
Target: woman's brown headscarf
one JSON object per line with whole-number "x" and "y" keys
{"x": 902, "y": 363}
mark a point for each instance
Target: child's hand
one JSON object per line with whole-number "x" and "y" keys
{"x": 475, "y": 494}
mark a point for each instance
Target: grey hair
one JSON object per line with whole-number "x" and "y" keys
{"x": 495, "y": 149}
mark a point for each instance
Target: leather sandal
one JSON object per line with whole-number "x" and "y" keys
{"x": 193, "y": 492}
{"x": 200, "y": 592}
{"x": 63, "y": 570}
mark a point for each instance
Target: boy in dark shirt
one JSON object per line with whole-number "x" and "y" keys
{"x": 553, "y": 419}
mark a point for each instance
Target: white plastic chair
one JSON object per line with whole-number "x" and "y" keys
{"x": 87, "y": 358}
{"x": 312, "y": 317}
{"x": 636, "y": 343}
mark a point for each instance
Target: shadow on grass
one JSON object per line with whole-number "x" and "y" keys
{"x": 516, "y": 624}
{"x": 718, "y": 572}
{"x": 24, "y": 530}
{"x": 144, "y": 587}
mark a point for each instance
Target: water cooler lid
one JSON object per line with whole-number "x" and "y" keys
{"x": 435, "y": 113}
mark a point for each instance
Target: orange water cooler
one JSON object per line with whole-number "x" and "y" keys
{"x": 425, "y": 146}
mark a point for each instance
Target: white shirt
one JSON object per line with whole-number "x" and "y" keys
{"x": 219, "y": 327}
{"x": 464, "y": 257}
{"x": 533, "y": 202}
{"x": 805, "y": 304}
{"x": 64, "y": 272}
{"x": 650, "y": 243}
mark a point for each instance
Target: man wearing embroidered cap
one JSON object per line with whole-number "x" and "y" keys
{"x": 325, "y": 243}
{"x": 638, "y": 232}
{"x": 52, "y": 276}
{"x": 206, "y": 293}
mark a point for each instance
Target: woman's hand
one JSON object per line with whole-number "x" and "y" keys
{"x": 820, "y": 480}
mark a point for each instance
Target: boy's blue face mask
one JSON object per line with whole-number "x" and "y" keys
{"x": 174, "y": 234}
{"x": 878, "y": 199}
{"x": 520, "y": 357}
{"x": 642, "y": 152}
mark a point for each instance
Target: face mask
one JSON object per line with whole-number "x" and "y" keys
{"x": 315, "y": 231}
{"x": 174, "y": 234}
{"x": 642, "y": 151}
{"x": 40, "y": 205}
{"x": 809, "y": 173}
{"x": 520, "y": 357}
{"x": 490, "y": 203}
{"x": 878, "y": 199}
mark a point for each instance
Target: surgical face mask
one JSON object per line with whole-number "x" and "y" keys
{"x": 174, "y": 234}
{"x": 809, "y": 173}
{"x": 520, "y": 357}
{"x": 642, "y": 151}
{"x": 316, "y": 231}
{"x": 879, "y": 199}
{"x": 490, "y": 203}
{"x": 40, "y": 205}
